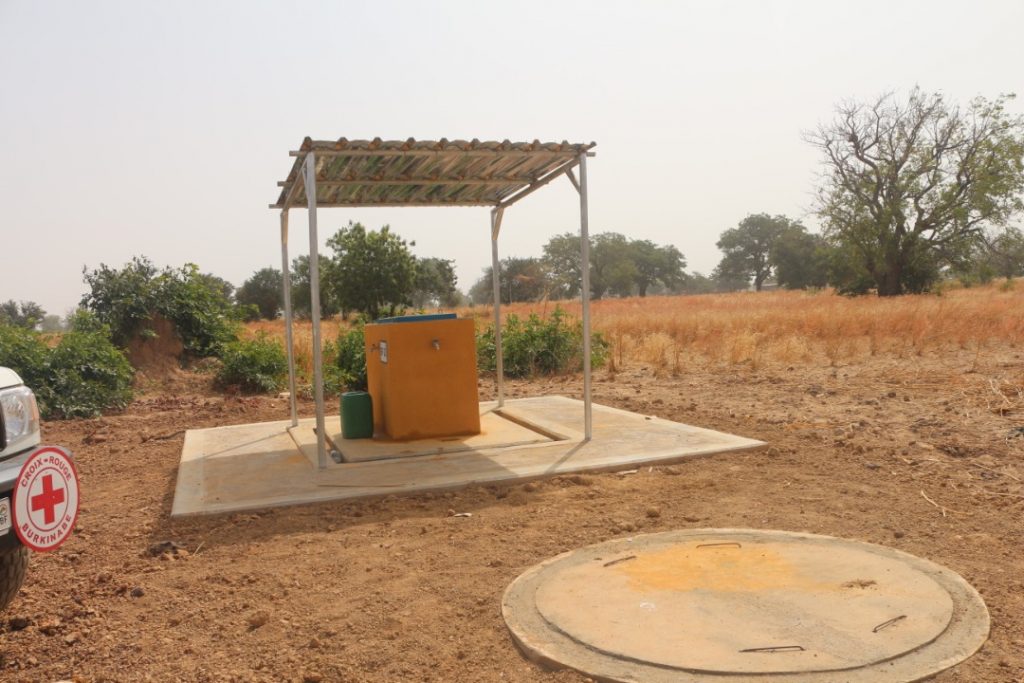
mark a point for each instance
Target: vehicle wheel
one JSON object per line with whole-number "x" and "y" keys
{"x": 13, "y": 565}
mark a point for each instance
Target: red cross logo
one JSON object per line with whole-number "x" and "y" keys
{"x": 44, "y": 504}
{"x": 48, "y": 500}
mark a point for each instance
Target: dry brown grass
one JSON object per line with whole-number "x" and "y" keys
{"x": 749, "y": 329}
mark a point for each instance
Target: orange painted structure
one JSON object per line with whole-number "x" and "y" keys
{"x": 422, "y": 377}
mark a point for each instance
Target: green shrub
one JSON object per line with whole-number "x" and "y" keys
{"x": 198, "y": 304}
{"x": 203, "y": 315}
{"x": 258, "y": 365}
{"x": 25, "y": 352}
{"x": 540, "y": 347}
{"x": 350, "y": 359}
{"x": 87, "y": 375}
{"x": 83, "y": 375}
{"x": 84, "y": 320}
{"x": 248, "y": 313}
{"x": 344, "y": 363}
{"x": 122, "y": 299}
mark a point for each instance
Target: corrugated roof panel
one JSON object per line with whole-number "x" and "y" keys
{"x": 424, "y": 172}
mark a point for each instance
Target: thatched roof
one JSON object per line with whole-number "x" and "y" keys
{"x": 425, "y": 172}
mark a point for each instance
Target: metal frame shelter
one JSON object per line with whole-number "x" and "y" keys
{"x": 377, "y": 173}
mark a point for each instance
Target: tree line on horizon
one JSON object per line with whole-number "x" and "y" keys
{"x": 911, "y": 191}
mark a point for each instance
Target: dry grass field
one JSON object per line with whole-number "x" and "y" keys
{"x": 752, "y": 330}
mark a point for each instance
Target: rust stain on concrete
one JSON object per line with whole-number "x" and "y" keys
{"x": 723, "y": 568}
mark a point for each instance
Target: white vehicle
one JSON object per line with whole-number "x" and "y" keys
{"x": 19, "y": 436}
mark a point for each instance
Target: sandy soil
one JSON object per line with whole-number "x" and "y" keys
{"x": 400, "y": 590}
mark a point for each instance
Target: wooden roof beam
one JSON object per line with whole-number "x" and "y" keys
{"x": 292, "y": 192}
{"x": 572, "y": 179}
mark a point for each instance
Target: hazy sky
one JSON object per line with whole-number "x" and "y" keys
{"x": 161, "y": 128}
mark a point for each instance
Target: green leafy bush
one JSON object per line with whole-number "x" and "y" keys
{"x": 349, "y": 366}
{"x": 538, "y": 346}
{"x": 122, "y": 299}
{"x": 258, "y": 365}
{"x": 84, "y": 320}
{"x": 25, "y": 352}
{"x": 198, "y": 304}
{"x": 87, "y": 375}
{"x": 83, "y": 375}
{"x": 201, "y": 312}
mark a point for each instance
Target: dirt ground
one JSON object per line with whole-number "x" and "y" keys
{"x": 919, "y": 453}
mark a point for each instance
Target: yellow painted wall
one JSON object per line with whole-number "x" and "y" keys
{"x": 422, "y": 391}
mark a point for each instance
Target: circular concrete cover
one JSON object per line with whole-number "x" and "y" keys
{"x": 745, "y": 605}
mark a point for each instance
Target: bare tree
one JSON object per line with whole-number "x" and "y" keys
{"x": 906, "y": 182}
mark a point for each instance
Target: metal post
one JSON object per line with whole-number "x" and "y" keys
{"x": 286, "y": 280}
{"x": 314, "y": 304}
{"x": 499, "y": 368}
{"x": 585, "y": 277}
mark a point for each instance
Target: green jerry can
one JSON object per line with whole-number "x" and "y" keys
{"x": 356, "y": 415}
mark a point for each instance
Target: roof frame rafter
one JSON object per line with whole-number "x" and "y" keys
{"x": 536, "y": 185}
{"x": 572, "y": 179}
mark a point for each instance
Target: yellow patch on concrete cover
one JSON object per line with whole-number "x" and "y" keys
{"x": 725, "y": 567}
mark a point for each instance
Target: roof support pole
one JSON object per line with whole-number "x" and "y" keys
{"x": 314, "y": 310}
{"x": 588, "y": 422}
{"x": 286, "y": 283}
{"x": 499, "y": 361}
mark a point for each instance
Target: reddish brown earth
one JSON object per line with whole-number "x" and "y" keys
{"x": 400, "y": 590}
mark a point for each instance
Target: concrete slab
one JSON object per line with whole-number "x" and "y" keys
{"x": 248, "y": 467}
{"x": 745, "y": 606}
{"x": 224, "y": 465}
{"x": 496, "y": 431}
